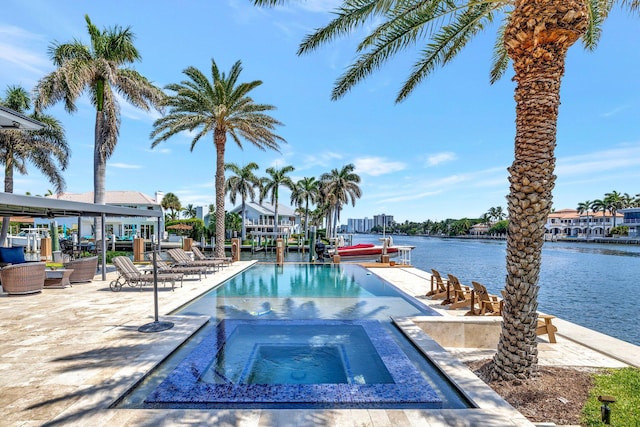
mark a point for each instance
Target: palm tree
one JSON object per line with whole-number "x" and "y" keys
{"x": 244, "y": 182}
{"x": 190, "y": 211}
{"x": 584, "y": 207}
{"x": 99, "y": 70}
{"x": 171, "y": 202}
{"x": 535, "y": 36}
{"x": 616, "y": 201}
{"x": 306, "y": 191}
{"x": 269, "y": 187}
{"x": 46, "y": 149}
{"x": 342, "y": 186}
{"x": 222, "y": 106}
{"x": 599, "y": 205}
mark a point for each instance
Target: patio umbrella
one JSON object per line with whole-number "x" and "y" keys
{"x": 180, "y": 227}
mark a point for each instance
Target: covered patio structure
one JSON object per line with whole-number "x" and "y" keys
{"x": 43, "y": 207}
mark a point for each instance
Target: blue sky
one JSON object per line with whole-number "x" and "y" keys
{"x": 442, "y": 153}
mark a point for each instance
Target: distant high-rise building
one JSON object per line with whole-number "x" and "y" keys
{"x": 382, "y": 220}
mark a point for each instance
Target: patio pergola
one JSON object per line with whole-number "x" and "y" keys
{"x": 49, "y": 207}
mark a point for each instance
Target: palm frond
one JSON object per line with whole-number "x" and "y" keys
{"x": 353, "y": 14}
{"x": 500, "y": 60}
{"x": 447, "y": 43}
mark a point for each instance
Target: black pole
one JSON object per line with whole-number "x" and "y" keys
{"x": 156, "y": 325}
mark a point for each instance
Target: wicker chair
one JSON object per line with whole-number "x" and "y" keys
{"x": 26, "y": 278}
{"x": 84, "y": 269}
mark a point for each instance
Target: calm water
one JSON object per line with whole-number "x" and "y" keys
{"x": 593, "y": 285}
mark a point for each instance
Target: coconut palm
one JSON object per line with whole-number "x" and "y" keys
{"x": 172, "y": 203}
{"x": 270, "y": 187}
{"x": 100, "y": 71}
{"x": 306, "y": 191}
{"x": 189, "y": 211}
{"x": 342, "y": 186}
{"x": 244, "y": 182}
{"x": 583, "y": 207}
{"x": 222, "y": 106}
{"x": 535, "y": 36}
{"x": 616, "y": 201}
{"x": 46, "y": 149}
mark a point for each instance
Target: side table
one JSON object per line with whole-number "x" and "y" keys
{"x": 58, "y": 278}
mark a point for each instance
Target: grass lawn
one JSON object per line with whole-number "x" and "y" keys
{"x": 624, "y": 386}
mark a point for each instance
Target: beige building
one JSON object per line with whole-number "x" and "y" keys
{"x": 570, "y": 223}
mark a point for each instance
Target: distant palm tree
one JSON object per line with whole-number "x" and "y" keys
{"x": 584, "y": 207}
{"x": 244, "y": 182}
{"x": 613, "y": 202}
{"x": 342, "y": 186}
{"x": 270, "y": 187}
{"x": 171, "y": 202}
{"x": 535, "y": 36}
{"x": 306, "y": 191}
{"x": 190, "y": 211}
{"x": 46, "y": 149}
{"x": 222, "y": 106}
{"x": 99, "y": 70}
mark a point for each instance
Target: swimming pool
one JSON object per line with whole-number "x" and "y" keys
{"x": 300, "y": 335}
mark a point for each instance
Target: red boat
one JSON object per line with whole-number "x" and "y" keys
{"x": 368, "y": 251}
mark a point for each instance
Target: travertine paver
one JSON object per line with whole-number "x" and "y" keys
{"x": 68, "y": 354}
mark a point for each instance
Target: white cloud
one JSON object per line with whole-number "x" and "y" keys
{"x": 125, "y": 166}
{"x": 376, "y": 166}
{"x": 615, "y": 111}
{"x": 438, "y": 158}
{"x": 600, "y": 161}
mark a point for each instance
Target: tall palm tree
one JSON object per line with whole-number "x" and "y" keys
{"x": 583, "y": 207}
{"x": 46, "y": 149}
{"x": 172, "y": 203}
{"x": 306, "y": 191}
{"x": 342, "y": 185}
{"x": 99, "y": 70}
{"x": 270, "y": 187}
{"x": 222, "y": 106}
{"x": 535, "y": 36}
{"x": 244, "y": 182}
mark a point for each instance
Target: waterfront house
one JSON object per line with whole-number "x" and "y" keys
{"x": 631, "y": 218}
{"x": 121, "y": 227}
{"x": 570, "y": 223}
{"x": 260, "y": 219}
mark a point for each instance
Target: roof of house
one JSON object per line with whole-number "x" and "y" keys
{"x": 266, "y": 209}
{"x": 111, "y": 198}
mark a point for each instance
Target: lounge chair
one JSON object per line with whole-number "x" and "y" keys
{"x": 84, "y": 269}
{"x": 131, "y": 276}
{"x": 487, "y": 304}
{"x": 163, "y": 268}
{"x": 25, "y": 278}
{"x": 199, "y": 256}
{"x": 459, "y": 296}
{"x": 439, "y": 286}
{"x": 181, "y": 258}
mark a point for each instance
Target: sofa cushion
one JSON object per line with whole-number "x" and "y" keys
{"x": 12, "y": 255}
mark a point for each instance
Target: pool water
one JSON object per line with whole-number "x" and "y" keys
{"x": 295, "y": 353}
{"x": 299, "y": 335}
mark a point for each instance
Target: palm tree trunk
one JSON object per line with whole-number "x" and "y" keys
{"x": 306, "y": 220}
{"x": 537, "y": 38}
{"x": 243, "y": 233}
{"x": 219, "y": 138}
{"x": 8, "y": 188}
{"x": 99, "y": 171}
